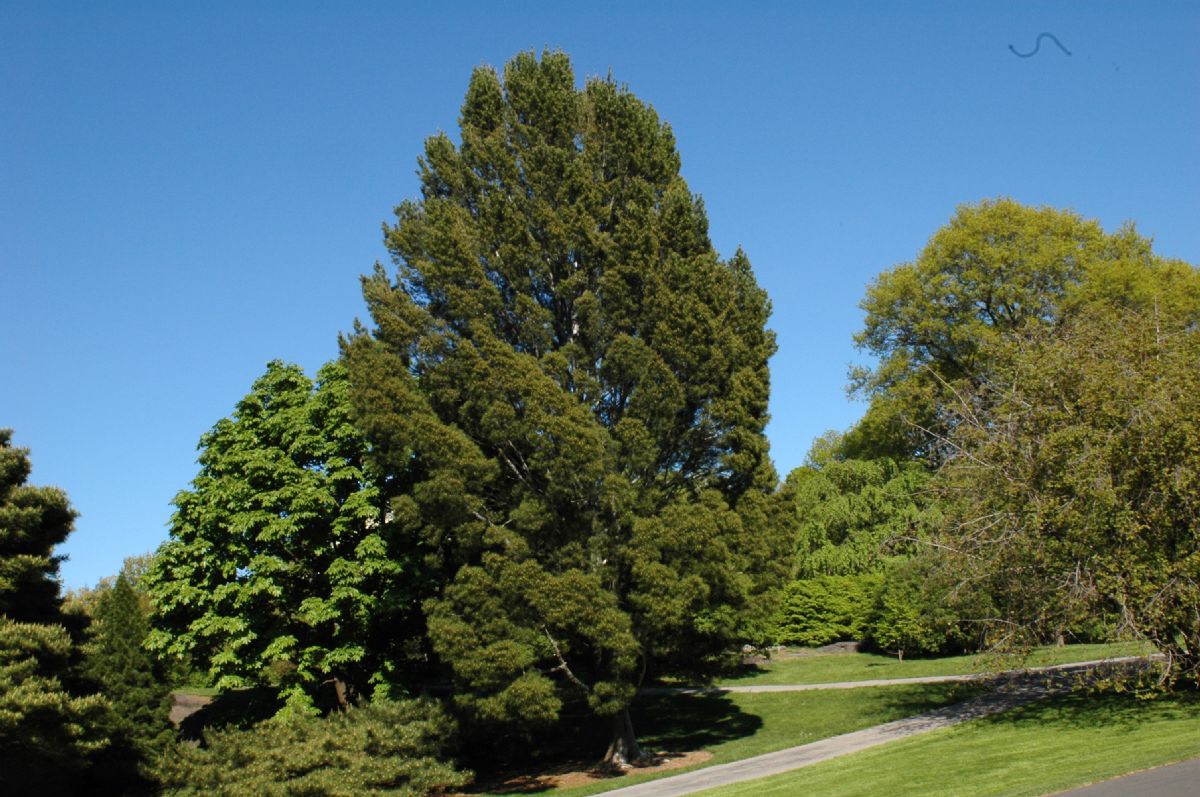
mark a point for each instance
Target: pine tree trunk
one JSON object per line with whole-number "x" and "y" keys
{"x": 624, "y": 750}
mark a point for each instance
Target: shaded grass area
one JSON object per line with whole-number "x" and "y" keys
{"x": 1046, "y": 747}
{"x": 736, "y": 726}
{"x": 819, "y": 668}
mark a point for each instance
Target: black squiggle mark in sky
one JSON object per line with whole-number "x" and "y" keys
{"x": 1037, "y": 45}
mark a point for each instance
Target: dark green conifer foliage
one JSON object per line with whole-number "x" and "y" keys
{"x": 393, "y": 749}
{"x": 569, "y": 387}
{"x": 47, "y": 732}
{"x": 116, "y": 661}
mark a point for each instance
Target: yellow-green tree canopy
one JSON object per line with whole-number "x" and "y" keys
{"x": 997, "y": 268}
{"x": 1074, "y": 482}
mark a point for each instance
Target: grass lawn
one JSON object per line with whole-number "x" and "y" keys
{"x": 1047, "y": 747}
{"x": 830, "y": 667}
{"x": 735, "y": 726}
{"x": 198, "y": 691}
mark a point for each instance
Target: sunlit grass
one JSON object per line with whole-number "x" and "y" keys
{"x": 1049, "y": 746}
{"x": 816, "y": 668}
{"x": 736, "y": 726}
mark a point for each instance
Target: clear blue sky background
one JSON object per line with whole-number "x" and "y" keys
{"x": 188, "y": 190}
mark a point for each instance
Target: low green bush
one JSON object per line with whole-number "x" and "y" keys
{"x": 826, "y": 609}
{"x": 387, "y": 748}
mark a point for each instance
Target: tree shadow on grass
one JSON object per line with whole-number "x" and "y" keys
{"x": 238, "y": 707}
{"x": 914, "y": 699}
{"x": 744, "y": 670}
{"x": 666, "y": 725}
{"x": 1090, "y": 709}
{"x": 684, "y": 722}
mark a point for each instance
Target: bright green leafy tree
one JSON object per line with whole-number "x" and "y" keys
{"x": 568, "y": 389}
{"x": 279, "y": 570}
{"x": 48, "y": 731}
{"x": 853, "y": 514}
{"x": 854, "y": 519}
{"x": 823, "y": 609}
{"x": 1075, "y": 480}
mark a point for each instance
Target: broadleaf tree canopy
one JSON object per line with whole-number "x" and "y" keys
{"x": 278, "y": 570}
{"x": 995, "y": 269}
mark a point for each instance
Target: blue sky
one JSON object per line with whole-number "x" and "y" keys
{"x": 188, "y": 190}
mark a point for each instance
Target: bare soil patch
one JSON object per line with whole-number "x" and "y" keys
{"x": 576, "y": 773}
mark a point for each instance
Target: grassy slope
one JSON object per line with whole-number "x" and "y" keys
{"x": 829, "y": 667}
{"x": 735, "y": 726}
{"x": 1048, "y": 747}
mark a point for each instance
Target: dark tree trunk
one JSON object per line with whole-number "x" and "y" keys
{"x": 624, "y": 750}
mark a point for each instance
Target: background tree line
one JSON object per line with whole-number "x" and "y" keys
{"x": 1023, "y": 470}
{"x": 539, "y": 478}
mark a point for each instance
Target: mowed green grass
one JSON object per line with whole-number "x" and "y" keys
{"x": 736, "y": 726}
{"x": 818, "y": 668}
{"x": 1047, "y": 747}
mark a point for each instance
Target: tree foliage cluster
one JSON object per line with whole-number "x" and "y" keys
{"x": 82, "y": 704}
{"x": 280, "y": 570}
{"x": 1073, "y": 486}
{"x": 855, "y": 515}
{"x": 858, "y": 522}
{"x": 540, "y": 476}
{"x": 567, "y": 389}
{"x": 1044, "y": 369}
{"x": 50, "y": 728}
{"x": 906, "y": 608}
{"x": 395, "y": 748}
{"x": 998, "y": 268}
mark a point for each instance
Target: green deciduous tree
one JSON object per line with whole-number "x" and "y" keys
{"x": 853, "y": 515}
{"x": 998, "y": 267}
{"x": 278, "y": 569}
{"x": 386, "y": 748}
{"x": 918, "y": 610}
{"x": 47, "y": 730}
{"x": 568, "y": 389}
{"x": 1075, "y": 480}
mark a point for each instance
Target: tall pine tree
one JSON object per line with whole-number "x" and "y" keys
{"x": 568, "y": 388}
{"x": 47, "y": 731}
{"x": 116, "y": 660}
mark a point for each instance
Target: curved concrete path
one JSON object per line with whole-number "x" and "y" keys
{"x": 1014, "y": 689}
{"x": 1015, "y": 692}
{"x": 1172, "y": 780}
{"x": 925, "y": 679}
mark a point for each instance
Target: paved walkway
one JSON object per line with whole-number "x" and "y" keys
{"x": 1173, "y": 780}
{"x": 1014, "y": 689}
{"x": 927, "y": 679}
{"x": 1016, "y": 692}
